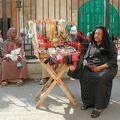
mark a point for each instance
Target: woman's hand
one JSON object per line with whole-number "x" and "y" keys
{"x": 8, "y": 59}
{"x": 90, "y": 66}
{"x": 96, "y": 68}
{"x": 0, "y": 59}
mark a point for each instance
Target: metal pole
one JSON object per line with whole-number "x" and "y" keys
{"x": 19, "y": 21}
{"x": 106, "y": 13}
{"x": 4, "y": 16}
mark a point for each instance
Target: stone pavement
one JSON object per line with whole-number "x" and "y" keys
{"x": 19, "y": 103}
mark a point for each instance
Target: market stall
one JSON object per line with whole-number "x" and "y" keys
{"x": 56, "y": 50}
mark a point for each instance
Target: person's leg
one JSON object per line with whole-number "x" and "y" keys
{"x": 45, "y": 76}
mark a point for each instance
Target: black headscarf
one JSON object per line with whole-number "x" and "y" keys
{"x": 105, "y": 40}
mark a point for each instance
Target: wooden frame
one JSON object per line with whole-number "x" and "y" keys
{"x": 55, "y": 78}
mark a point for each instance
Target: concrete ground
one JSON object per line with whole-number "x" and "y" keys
{"x": 19, "y": 103}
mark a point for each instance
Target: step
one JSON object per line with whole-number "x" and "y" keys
{"x": 35, "y": 69}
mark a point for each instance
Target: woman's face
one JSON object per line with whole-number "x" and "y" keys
{"x": 14, "y": 34}
{"x": 98, "y": 36}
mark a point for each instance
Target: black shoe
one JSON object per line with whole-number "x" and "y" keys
{"x": 84, "y": 107}
{"x": 95, "y": 113}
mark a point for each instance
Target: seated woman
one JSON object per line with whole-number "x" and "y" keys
{"x": 9, "y": 72}
{"x": 14, "y": 53}
{"x": 98, "y": 74}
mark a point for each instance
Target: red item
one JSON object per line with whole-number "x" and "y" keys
{"x": 73, "y": 67}
{"x": 40, "y": 41}
{"x": 80, "y": 35}
{"x": 40, "y": 38}
{"x": 75, "y": 44}
{"x": 59, "y": 58}
{"x": 69, "y": 42}
{"x": 88, "y": 39}
{"x": 74, "y": 56}
{"x": 117, "y": 48}
{"x": 80, "y": 47}
{"x": 61, "y": 43}
{"x": 47, "y": 43}
{"x": 47, "y": 19}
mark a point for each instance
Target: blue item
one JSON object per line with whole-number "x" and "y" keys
{"x": 19, "y": 64}
{"x": 68, "y": 27}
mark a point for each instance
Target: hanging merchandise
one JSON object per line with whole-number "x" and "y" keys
{"x": 47, "y": 27}
{"x": 45, "y": 38}
{"x": 30, "y": 31}
{"x": 53, "y": 30}
{"x": 73, "y": 30}
{"x": 68, "y": 27}
{"x": 47, "y": 44}
{"x": 40, "y": 41}
{"x": 60, "y": 26}
{"x": 41, "y": 27}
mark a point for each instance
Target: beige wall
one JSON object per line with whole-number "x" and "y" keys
{"x": 56, "y": 9}
{"x": 11, "y": 11}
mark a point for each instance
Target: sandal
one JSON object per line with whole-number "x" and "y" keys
{"x": 19, "y": 83}
{"x": 4, "y": 83}
{"x": 44, "y": 80}
{"x": 96, "y": 113}
{"x": 84, "y": 107}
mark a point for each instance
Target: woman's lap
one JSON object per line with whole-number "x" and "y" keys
{"x": 11, "y": 72}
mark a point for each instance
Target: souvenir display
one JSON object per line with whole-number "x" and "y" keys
{"x": 54, "y": 37}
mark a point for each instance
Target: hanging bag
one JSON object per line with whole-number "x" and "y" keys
{"x": 19, "y": 65}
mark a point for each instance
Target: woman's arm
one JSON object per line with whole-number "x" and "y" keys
{"x": 21, "y": 54}
{"x": 112, "y": 60}
{"x": 113, "y": 56}
{"x": 5, "y": 48}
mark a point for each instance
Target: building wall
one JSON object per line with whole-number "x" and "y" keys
{"x": 42, "y": 9}
{"x": 11, "y": 12}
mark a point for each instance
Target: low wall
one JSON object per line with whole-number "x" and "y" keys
{"x": 35, "y": 69}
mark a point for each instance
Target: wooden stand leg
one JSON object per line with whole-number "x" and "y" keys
{"x": 46, "y": 93}
{"x": 67, "y": 91}
{"x": 43, "y": 88}
{"x": 55, "y": 76}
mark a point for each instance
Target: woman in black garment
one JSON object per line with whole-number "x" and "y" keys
{"x": 98, "y": 73}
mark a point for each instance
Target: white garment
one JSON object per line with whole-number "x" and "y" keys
{"x": 14, "y": 54}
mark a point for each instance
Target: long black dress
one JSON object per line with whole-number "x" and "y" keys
{"x": 96, "y": 86}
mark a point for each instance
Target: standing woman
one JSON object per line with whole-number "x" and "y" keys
{"x": 98, "y": 74}
{"x": 9, "y": 72}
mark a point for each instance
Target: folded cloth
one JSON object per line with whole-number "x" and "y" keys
{"x": 73, "y": 67}
{"x": 53, "y": 59}
{"x": 70, "y": 59}
{"x": 74, "y": 56}
{"x": 66, "y": 60}
{"x": 51, "y": 62}
{"x": 47, "y": 60}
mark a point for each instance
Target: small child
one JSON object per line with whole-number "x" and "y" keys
{"x": 14, "y": 53}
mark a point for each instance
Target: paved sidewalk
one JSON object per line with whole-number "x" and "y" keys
{"x": 18, "y": 103}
